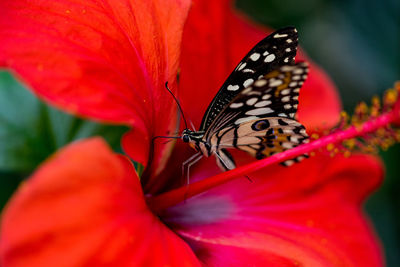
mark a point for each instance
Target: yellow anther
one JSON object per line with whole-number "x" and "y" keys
{"x": 351, "y": 143}
{"x": 347, "y": 154}
{"x": 376, "y": 107}
{"x": 397, "y": 86}
{"x": 385, "y": 146}
{"x": 390, "y": 97}
{"x": 376, "y": 101}
{"x": 369, "y": 149}
{"x": 314, "y": 136}
{"x": 330, "y": 147}
{"x": 369, "y": 142}
{"x": 381, "y": 132}
{"x": 397, "y": 135}
{"x": 362, "y": 108}
{"x": 344, "y": 114}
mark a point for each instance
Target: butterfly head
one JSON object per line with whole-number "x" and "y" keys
{"x": 194, "y": 138}
{"x": 187, "y": 135}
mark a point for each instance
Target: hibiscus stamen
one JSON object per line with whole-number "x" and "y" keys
{"x": 368, "y": 128}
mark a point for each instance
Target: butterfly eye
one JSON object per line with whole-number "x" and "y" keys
{"x": 186, "y": 138}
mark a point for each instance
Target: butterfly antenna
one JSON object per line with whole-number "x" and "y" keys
{"x": 191, "y": 124}
{"x": 177, "y": 102}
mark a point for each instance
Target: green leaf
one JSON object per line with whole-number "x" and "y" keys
{"x": 30, "y": 130}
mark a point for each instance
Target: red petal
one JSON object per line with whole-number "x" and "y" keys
{"x": 305, "y": 215}
{"x": 214, "y": 41}
{"x": 106, "y": 60}
{"x": 319, "y": 102}
{"x": 85, "y": 207}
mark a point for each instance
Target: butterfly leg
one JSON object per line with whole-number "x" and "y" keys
{"x": 225, "y": 160}
{"x": 190, "y": 165}
{"x": 190, "y": 162}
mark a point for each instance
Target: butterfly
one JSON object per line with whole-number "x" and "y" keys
{"x": 255, "y": 108}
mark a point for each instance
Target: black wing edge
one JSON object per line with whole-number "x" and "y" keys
{"x": 284, "y": 48}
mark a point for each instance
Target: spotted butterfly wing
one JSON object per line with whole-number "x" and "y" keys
{"x": 275, "y": 50}
{"x": 255, "y": 108}
{"x": 261, "y": 118}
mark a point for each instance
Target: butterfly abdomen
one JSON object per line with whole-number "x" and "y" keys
{"x": 205, "y": 148}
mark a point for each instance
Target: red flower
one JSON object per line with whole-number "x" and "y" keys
{"x": 109, "y": 61}
{"x": 85, "y": 207}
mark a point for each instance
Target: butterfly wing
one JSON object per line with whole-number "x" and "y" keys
{"x": 275, "y": 50}
{"x": 262, "y": 138}
{"x": 261, "y": 118}
{"x": 274, "y": 95}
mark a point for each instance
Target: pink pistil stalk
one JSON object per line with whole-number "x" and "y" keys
{"x": 173, "y": 197}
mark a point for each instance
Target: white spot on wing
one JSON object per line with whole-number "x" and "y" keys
{"x": 289, "y": 41}
{"x": 251, "y": 101}
{"x": 274, "y": 82}
{"x": 253, "y": 93}
{"x": 260, "y": 83}
{"x": 287, "y": 106}
{"x": 298, "y": 71}
{"x": 247, "y": 90}
{"x": 236, "y": 105}
{"x": 248, "y": 70}
{"x": 287, "y": 145}
{"x": 266, "y": 96}
{"x": 255, "y": 56}
{"x": 285, "y": 92}
{"x": 259, "y": 111}
{"x": 233, "y": 87}
{"x": 300, "y": 158}
{"x": 287, "y": 68}
{"x": 241, "y": 66}
{"x": 269, "y": 58}
{"x": 262, "y": 104}
{"x": 288, "y": 49}
{"x": 248, "y": 82}
{"x": 286, "y": 99}
{"x": 242, "y": 120}
{"x": 280, "y": 35}
{"x": 289, "y": 162}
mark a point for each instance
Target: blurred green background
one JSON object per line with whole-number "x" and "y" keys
{"x": 356, "y": 41}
